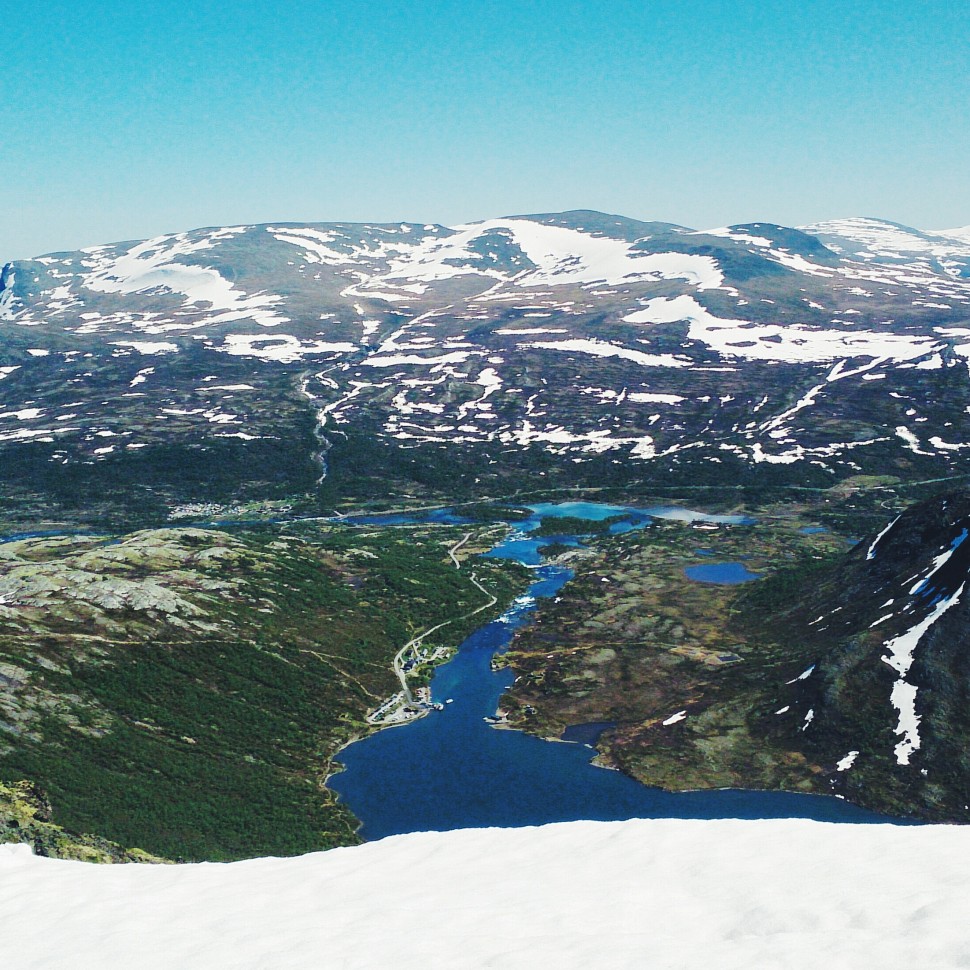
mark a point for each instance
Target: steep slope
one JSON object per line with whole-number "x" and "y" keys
{"x": 837, "y": 672}
{"x": 184, "y": 690}
{"x": 595, "y": 347}
{"x": 885, "y": 700}
{"x": 26, "y": 818}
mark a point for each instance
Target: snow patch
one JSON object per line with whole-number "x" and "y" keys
{"x": 281, "y": 347}
{"x": 791, "y": 342}
{"x": 602, "y": 348}
{"x": 903, "y": 697}
{"x": 591, "y": 895}
{"x": 847, "y": 762}
{"x": 152, "y": 265}
{"x": 805, "y": 674}
{"x": 147, "y": 347}
{"x": 871, "y": 553}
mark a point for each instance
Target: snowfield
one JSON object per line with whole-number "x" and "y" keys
{"x": 668, "y": 893}
{"x": 649, "y": 312}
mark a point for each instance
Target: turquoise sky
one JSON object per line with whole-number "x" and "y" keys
{"x": 127, "y": 119}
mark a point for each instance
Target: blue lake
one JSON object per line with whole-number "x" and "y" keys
{"x": 451, "y": 769}
{"x": 588, "y": 733}
{"x": 722, "y": 573}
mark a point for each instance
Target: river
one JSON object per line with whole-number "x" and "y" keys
{"x": 452, "y": 769}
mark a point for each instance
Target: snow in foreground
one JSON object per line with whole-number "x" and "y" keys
{"x": 655, "y": 893}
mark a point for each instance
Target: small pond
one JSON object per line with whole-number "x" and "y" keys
{"x": 721, "y": 573}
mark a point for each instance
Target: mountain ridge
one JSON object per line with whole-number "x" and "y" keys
{"x": 565, "y": 214}
{"x": 599, "y": 347}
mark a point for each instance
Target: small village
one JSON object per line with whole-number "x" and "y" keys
{"x": 409, "y": 704}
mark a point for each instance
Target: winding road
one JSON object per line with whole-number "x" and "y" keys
{"x": 414, "y": 641}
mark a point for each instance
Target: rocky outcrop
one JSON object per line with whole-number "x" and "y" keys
{"x": 884, "y": 703}
{"x": 26, "y": 816}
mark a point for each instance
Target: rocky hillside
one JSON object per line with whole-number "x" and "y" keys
{"x": 184, "y": 690}
{"x": 579, "y": 348}
{"x": 26, "y": 816}
{"x": 837, "y": 672}
{"x": 885, "y": 701}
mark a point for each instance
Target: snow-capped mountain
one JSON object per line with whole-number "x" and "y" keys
{"x": 962, "y": 234}
{"x": 876, "y": 241}
{"x": 610, "y": 343}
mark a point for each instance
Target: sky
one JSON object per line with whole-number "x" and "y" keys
{"x": 123, "y": 120}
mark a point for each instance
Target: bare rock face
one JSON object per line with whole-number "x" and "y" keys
{"x": 64, "y": 598}
{"x": 151, "y": 579}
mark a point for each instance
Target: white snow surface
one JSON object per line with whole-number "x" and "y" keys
{"x": 685, "y": 894}
{"x": 278, "y": 346}
{"x": 152, "y": 265}
{"x": 871, "y": 553}
{"x": 603, "y": 348}
{"x": 962, "y": 234}
{"x": 900, "y": 658}
{"x": 888, "y": 239}
{"x": 561, "y": 256}
{"x": 148, "y": 347}
{"x": 791, "y": 342}
{"x": 805, "y": 674}
{"x": 847, "y": 762}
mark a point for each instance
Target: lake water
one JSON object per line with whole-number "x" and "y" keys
{"x": 721, "y": 573}
{"x": 451, "y": 769}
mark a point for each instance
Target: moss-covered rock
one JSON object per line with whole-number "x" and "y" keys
{"x": 26, "y": 816}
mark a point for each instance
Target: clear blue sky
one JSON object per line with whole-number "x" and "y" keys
{"x": 127, "y": 119}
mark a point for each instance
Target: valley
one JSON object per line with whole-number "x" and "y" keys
{"x": 667, "y": 663}
{"x": 185, "y": 690}
{"x": 580, "y": 349}
{"x": 252, "y": 479}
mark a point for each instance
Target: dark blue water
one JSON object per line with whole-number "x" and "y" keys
{"x": 722, "y": 573}
{"x": 452, "y": 770}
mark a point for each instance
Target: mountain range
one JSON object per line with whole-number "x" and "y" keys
{"x": 810, "y": 381}
{"x": 578, "y": 347}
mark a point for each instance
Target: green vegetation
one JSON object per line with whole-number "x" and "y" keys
{"x": 189, "y": 697}
{"x": 25, "y": 816}
{"x": 780, "y": 589}
{"x": 569, "y": 525}
{"x": 165, "y": 453}
{"x": 632, "y": 641}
